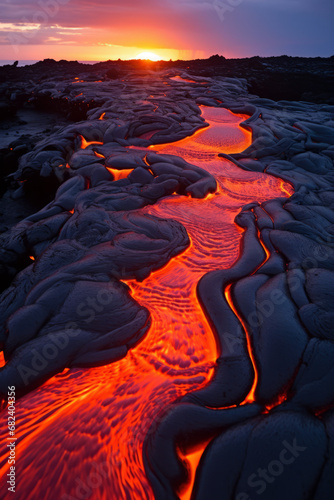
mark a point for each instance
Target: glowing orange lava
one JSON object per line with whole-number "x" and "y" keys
{"x": 85, "y": 144}
{"x": 279, "y": 400}
{"x": 251, "y": 396}
{"x": 193, "y": 458}
{"x": 119, "y": 174}
{"x": 99, "y": 155}
{"x": 82, "y": 432}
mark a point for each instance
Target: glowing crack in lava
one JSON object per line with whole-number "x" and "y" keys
{"x": 80, "y": 435}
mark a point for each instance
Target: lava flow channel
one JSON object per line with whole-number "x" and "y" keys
{"x": 80, "y": 435}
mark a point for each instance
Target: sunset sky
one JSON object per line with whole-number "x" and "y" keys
{"x": 172, "y": 29}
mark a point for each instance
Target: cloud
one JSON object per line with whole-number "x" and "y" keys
{"x": 16, "y": 27}
{"x": 230, "y": 27}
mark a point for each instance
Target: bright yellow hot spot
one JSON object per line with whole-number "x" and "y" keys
{"x": 148, "y": 56}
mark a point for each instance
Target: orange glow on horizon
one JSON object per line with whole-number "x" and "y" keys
{"x": 148, "y": 56}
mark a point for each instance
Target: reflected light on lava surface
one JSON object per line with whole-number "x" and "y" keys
{"x": 178, "y": 78}
{"x": 84, "y": 421}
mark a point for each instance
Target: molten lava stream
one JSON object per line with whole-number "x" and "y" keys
{"x": 82, "y": 432}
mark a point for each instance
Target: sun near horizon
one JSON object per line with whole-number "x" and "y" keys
{"x": 149, "y": 56}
